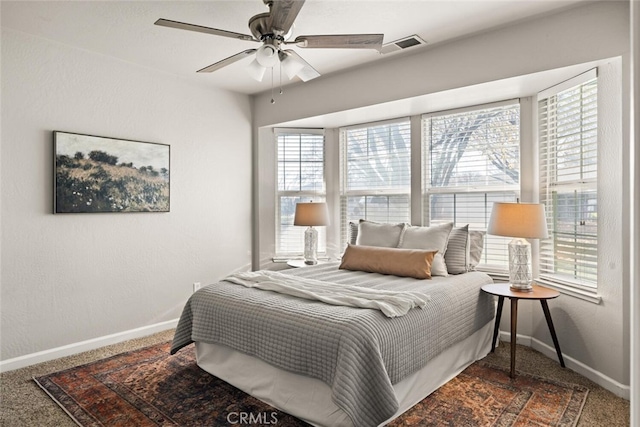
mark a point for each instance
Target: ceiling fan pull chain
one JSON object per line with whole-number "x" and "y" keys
{"x": 273, "y": 101}
{"x": 280, "y": 76}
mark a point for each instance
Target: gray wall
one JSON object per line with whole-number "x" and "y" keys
{"x": 76, "y": 277}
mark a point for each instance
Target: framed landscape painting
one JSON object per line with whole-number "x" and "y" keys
{"x": 98, "y": 174}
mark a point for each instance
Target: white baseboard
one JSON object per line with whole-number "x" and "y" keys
{"x": 79, "y": 347}
{"x": 597, "y": 377}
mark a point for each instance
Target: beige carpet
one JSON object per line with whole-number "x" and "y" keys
{"x": 23, "y": 403}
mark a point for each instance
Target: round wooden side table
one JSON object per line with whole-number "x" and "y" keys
{"x": 540, "y": 293}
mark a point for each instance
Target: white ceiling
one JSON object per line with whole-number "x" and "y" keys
{"x": 125, "y": 30}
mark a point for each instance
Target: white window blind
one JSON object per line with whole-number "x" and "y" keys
{"x": 300, "y": 179}
{"x": 568, "y": 133}
{"x": 471, "y": 159}
{"x": 375, "y": 165}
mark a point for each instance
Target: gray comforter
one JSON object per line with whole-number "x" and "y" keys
{"x": 358, "y": 352}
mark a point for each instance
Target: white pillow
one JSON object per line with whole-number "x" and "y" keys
{"x": 476, "y": 245}
{"x": 432, "y": 238}
{"x": 377, "y": 234}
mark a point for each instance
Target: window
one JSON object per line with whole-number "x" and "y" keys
{"x": 300, "y": 179}
{"x": 568, "y": 133}
{"x": 471, "y": 158}
{"x": 375, "y": 165}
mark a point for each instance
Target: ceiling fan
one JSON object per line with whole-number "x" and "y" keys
{"x": 272, "y": 29}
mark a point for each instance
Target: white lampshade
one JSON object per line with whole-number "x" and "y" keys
{"x": 267, "y": 55}
{"x": 526, "y": 220}
{"x": 290, "y": 65}
{"x": 311, "y": 214}
{"x": 256, "y": 71}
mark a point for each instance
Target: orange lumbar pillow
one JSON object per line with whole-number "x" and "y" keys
{"x": 399, "y": 262}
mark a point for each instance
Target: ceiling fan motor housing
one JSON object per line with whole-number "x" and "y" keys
{"x": 261, "y": 28}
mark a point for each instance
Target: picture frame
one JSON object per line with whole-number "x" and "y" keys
{"x": 95, "y": 174}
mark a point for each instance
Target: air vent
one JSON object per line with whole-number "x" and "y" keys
{"x": 405, "y": 43}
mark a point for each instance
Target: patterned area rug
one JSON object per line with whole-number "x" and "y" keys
{"x": 148, "y": 387}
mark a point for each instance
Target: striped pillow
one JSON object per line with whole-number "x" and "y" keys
{"x": 353, "y": 233}
{"x": 457, "y": 256}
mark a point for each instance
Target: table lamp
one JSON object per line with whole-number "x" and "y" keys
{"x": 311, "y": 214}
{"x": 521, "y": 221}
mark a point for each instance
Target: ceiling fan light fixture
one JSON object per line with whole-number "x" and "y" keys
{"x": 290, "y": 65}
{"x": 267, "y": 55}
{"x": 255, "y": 70}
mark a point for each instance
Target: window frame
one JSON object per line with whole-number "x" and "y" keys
{"x": 498, "y": 270}
{"x": 582, "y": 288}
{"x": 345, "y": 193}
{"x": 304, "y": 195}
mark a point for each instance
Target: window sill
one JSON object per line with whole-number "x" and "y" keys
{"x": 586, "y": 294}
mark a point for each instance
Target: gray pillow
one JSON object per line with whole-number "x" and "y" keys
{"x": 457, "y": 256}
{"x": 432, "y": 238}
{"x": 353, "y": 233}
{"x": 378, "y": 234}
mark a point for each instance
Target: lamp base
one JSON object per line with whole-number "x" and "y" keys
{"x": 516, "y": 287}
{"x": 311, "y": 246}
{"x": 520, "y": 276}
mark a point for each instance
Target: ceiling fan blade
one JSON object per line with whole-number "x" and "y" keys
{"x": 341, "y": 41}
{"x": 227, "y": 61}
{"x": 283, "y": 13}
{"x": 307, "y": 72}
{"x": 201, "y": 29}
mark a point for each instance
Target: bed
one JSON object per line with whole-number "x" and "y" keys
{"x": 333, "y": 365}
{"x": 350, "y": 343}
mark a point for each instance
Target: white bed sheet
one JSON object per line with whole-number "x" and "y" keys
{"x": 309, "y": 399}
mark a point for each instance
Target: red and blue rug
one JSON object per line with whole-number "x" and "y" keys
{"x": 149, "y": 387}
